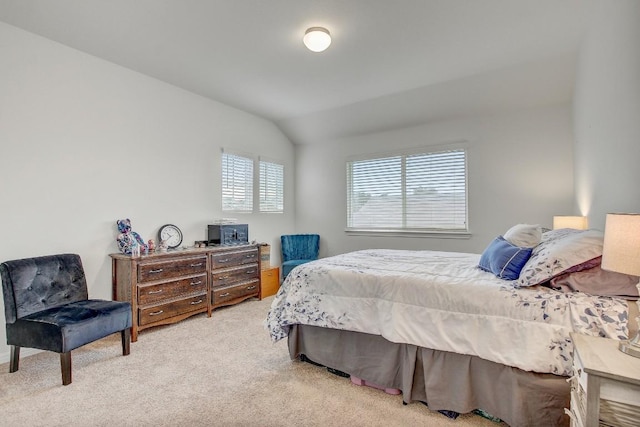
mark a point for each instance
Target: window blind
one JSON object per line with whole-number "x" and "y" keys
{"x": 271, "y": 187}
{"x": 418, "y": 191}
{"x": 237, "y": 183}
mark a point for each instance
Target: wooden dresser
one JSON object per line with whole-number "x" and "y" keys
{"x": 166, "y": 287}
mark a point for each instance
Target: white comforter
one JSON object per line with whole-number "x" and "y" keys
{"x": 442, "y": 301}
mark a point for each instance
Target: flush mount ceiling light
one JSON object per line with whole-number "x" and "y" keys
{"x": 317, "y": 39}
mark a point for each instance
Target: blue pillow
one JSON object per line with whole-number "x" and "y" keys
{"x": 504, "y": 259}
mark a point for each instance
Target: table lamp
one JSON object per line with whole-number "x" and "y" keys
{"x": 567, "y": 221}
{"x": 621, "y": 253}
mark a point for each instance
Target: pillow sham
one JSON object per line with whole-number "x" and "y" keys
{"x": 596, "y": 281}
{"x": 524, "y": 235}
{"x": 561, "y": 251}
{"x": 504, "y": 259}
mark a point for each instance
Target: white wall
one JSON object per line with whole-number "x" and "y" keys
{"x": 520, "y": 170}
{"x": 84, "y": 142}
{"x": 607, "y": 113}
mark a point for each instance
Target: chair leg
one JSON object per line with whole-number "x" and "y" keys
{"x": 126, "y": 341}
{"x": 15, "y": 358}
{"x": 65, "y": 364}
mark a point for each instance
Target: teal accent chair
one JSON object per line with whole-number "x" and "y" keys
{"x": 298, "y": 249}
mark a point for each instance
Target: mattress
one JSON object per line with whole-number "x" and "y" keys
{"x": 443, "y": 301}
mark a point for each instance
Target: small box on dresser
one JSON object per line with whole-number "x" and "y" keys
{"x": 605, "y": 387}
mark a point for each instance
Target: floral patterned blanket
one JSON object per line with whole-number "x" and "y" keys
{"x": 443, "y": 301}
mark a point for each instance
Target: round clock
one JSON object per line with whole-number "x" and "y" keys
{"x": 171, "y": 235}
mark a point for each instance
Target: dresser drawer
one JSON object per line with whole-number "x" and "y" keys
{"x": 229, "y": 276}
{"x": 229, "y": 293}
{"x": 239, "y": 257}
{"x": 149, "y": 294}
{"x": 159, "y": 270}
{"x": 170, "y": 309}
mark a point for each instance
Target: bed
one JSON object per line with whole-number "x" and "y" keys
{"x": 459, "y": 331}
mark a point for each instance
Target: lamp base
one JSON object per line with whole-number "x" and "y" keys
{"x": 631, "y": 347}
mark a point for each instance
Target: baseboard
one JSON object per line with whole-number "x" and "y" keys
{"x": 24, "y": 352}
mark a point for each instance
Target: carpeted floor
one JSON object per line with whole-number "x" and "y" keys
{"x": 218, "y": 371}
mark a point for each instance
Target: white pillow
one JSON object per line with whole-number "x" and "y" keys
{"x": 524, "y": 235}
{"x": 562, "y": 251}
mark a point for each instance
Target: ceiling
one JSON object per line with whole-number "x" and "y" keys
{"x": 392, "y": 63}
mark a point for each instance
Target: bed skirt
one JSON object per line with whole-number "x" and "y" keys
{"x": 444, "y": 381}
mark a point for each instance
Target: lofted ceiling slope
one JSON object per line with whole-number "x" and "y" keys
{"x": 391, "y": 63}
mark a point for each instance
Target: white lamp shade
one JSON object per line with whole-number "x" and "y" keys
{"x": 576, "y": 222}
{"x": 621, "y": 250}
{"x": 317, "y": 39}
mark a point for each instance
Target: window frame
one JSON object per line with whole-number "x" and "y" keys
{"x": 249, "y": 183}
{"x": 255, "y": 182}
{"x": 409, "y": 231}
{"x": 279, "y": 202}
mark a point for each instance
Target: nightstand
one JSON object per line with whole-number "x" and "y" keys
{"x": 605, "y": 388}
{"x": 269, "y": 282}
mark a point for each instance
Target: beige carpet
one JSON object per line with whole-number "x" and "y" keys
{"x": 218, "y": 371}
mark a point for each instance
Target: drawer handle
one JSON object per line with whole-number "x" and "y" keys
{"x": 196, "y": 265}
{"x": 223, "y": 277}
{"x": 196, "y": 302}
{"x": 251, "y": 256}
{"x": 159, "y": 291}
{"x": 250, "y": 271}
{"x": 251, "y": 287}
{"x": 225, "y": 294}
{"x": 155, "y": 313}
{"x": 159, "y": 270}
{"x": 223, "y": 260}
{"x": 199, "y": 282}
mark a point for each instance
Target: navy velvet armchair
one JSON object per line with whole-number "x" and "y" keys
{"x": 298, "y": 249}
{"x": 46, "y": 307}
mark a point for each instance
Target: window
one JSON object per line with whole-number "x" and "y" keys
{"x": 237, "y": 183}
{"x": 271, "y": 187}
{"x": 239, "y": 179}
{"x": 416, "y": 192}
